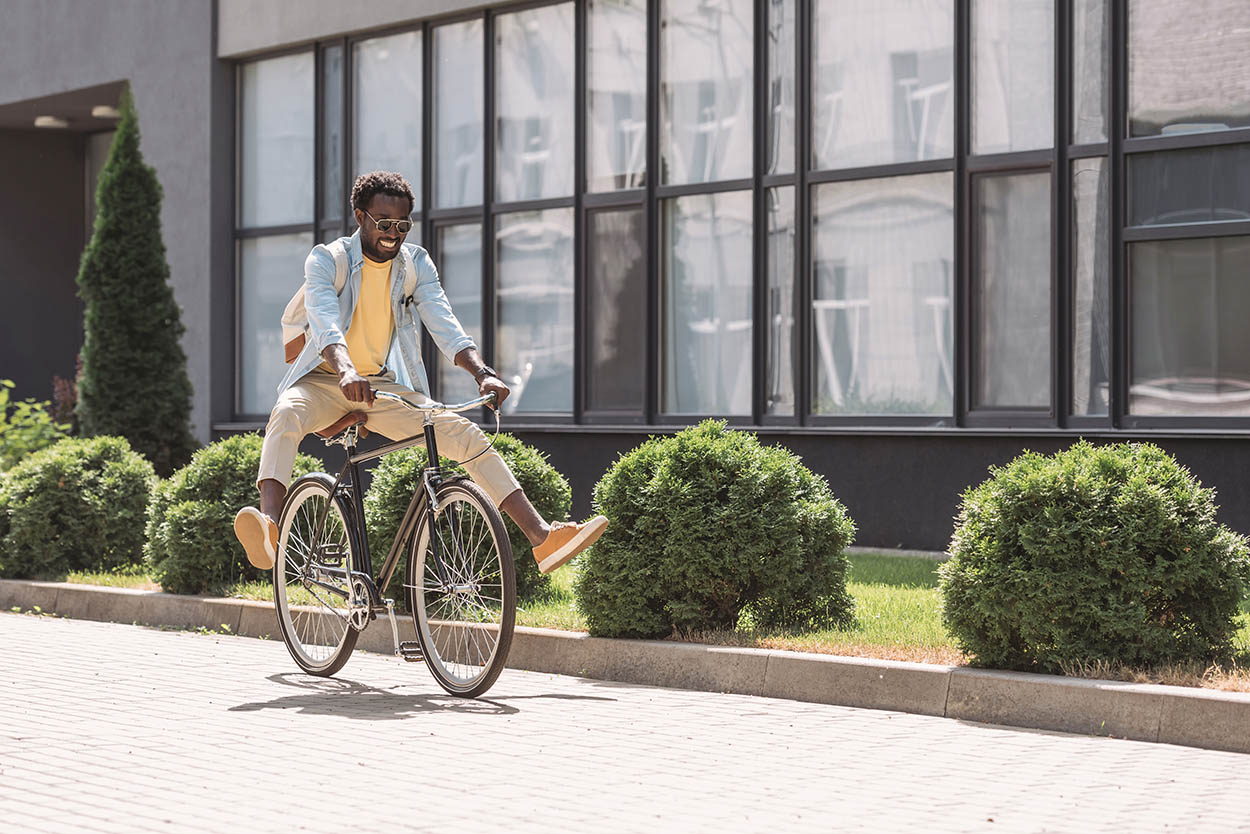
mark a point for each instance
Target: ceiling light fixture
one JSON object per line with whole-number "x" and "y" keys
{"x": 105, "y": 111}
{"x": 50, "y": 121}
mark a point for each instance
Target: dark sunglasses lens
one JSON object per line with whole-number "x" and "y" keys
{"x": 402, "y": 225}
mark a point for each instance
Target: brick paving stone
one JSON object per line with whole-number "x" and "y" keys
{"x": 120, "y": 728}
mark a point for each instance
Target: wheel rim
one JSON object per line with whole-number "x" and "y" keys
{"x": 460, "y": 621}
{"x": 310, "y": 588}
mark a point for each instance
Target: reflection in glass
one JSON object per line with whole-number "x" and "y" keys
{"x": 706, "y": 78}
{"x": 616, "y": 324}
{"x": 1011, "y": 292}
{"x": 534, "y": 103}
{"x": 1013, "y": 75}
{"x": 1196, "y": 185}
{"x": 1091, "y": 305}
{"x": 707, "y": 304}
{"x": 1187, "y": 66}
{"x": 780, "y": 144}
{"x": 534, "y": 305}
{"x": 1190, "y": 344}
{"x": 882, "y": 82}
{"x": 458, "y": 107}
{"x": 460, "y": 270}
{"x": 1090, "y": 28}
{"x": 271, "y": 269}
{"x": 386, "y": 99}
{"x": 276, "y": 139}
{"x": 332, "y": 200}
{"x": 881, "y": 308}
{"x": 616, "y": 94}
{"x": 779, "y": 379}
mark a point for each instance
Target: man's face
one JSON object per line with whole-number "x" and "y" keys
{"x": 381, "y": 246}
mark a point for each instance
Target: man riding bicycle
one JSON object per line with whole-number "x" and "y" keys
{"x": 364, "y": 337}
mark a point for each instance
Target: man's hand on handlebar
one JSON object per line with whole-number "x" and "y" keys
{"x": 355, "y": 388}
{"x": 494, "y": 385}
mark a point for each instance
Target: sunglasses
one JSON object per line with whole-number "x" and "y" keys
{"x": 385, "y": 224}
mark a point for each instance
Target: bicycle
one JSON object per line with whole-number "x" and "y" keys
{"x": 459, "y": 578}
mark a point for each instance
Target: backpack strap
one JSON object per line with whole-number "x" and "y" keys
{"x": 295, "y": 316}
{"x": 410, "y": 275}
{"x": 341, "y": 265}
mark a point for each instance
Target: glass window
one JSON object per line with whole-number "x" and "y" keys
{"x": 1198, "y": 185}
{"x": 1187, "y": 66}
{"x": 459, "y": 97}
{"x": 780, "y": 148}
{"x": 616, "y": 323}
{"x": 881, "y": 308}
{"x": 779, "y": 384}
{"x": 332, "y": 199}
{"x": 460, "y": 269}
{"x": 1190, "y": 348}
{"x": 707, "y": 304}
{"x": 534, "y": 103}
{"x": 1011, "y": 292}
{"x": 1090, "y": 28}
{"x": 1013, "y": 75}
{"x": 706, "y": 90}
{"x": 271, "y": 269}
{"x": 387, "y": 104}
{"x": 276, "y": 139}
{"x": 1091, "y": 304}
{"x": 882, "y": 75}
{"x": 534, "y": 305}
{"x": 616, "y": 94}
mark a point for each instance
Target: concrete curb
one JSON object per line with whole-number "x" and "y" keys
{"x": 1143, "y": 712}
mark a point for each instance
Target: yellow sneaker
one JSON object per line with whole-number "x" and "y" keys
{"x": 258, "y": 535}
{"x": 566, "y": 540}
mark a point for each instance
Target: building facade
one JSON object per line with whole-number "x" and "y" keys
{"x": 904, "y": 238}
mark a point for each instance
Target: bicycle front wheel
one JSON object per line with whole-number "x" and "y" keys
{"x": 310, "y": 591}
{"x": 462, "y": 589}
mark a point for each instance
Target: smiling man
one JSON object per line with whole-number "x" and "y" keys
{"x": 367, "y": 338}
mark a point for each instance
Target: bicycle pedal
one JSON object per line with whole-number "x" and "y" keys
{"x": 411, "y": 651}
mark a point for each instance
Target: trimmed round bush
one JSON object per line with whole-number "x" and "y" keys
{"x": 76, "y": 505}
{"x": 1108, "y": 553}
{"x": 707, "y": 526}
{"x": 191, "y": 547}
{"x": 398, "y": 476}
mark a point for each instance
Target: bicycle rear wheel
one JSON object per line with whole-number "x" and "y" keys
{"x": 316, "y": 549}
{"x": 463, "y": 599}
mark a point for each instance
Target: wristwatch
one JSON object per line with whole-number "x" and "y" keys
{"x": 483, "y": 372}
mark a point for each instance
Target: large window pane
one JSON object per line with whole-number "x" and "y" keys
{"x": 707, "y": 304}
{"x": 1091, "y": 306}
{"x": 780, "y": 149}
{"x": 616, "y": 322}
{"x": 459, "y": 98}
{"x": 534, "y": 103}
{"x": 271, "y": 269}
{"x": 706, "y": 78}
{"x": 460, "y": 269}
{"x": 1199, "y": 185}
{"x": 1013, "y": 75}
{"x": 881, "y": 308}
{"x": 1187, "y": 65}
{"x": 882, "y": 75}
{"x": 387, "y": 105}
{"x": 1090, "y": 39}
{"x": 276, "y": 138}
{"x": 1190, "y": 344}
{"x": 332, "y": 199}
{"x": 1011, "y": 292}
{"x": 616, "y": 94}
{"x": 779, "y": 380}
{"x": 534, "y": 304}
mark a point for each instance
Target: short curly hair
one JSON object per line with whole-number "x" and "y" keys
{"x": 369, "y": 185}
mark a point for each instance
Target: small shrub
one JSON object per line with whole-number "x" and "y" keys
{"x": 191, "y": 546}
{"x": 77, "y": 505}
{"x": 1092, "y": 555}
{"x": 706, "y": 526}
{"x": 26, "y": 426}
{"x": 398, "y": 475}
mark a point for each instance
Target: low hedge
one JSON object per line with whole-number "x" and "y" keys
{"x": 708, "y": 526}
{"x": 1107, "y": 553}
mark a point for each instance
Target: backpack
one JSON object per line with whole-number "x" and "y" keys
{"x": 295, "y": 316}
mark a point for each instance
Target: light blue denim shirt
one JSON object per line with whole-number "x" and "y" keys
{"x": 330, "y": 315}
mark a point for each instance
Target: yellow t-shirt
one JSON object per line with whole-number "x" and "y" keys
{"x": 369, "y": 336}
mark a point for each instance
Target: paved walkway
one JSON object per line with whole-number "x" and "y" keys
{"x": 119, "y": 728}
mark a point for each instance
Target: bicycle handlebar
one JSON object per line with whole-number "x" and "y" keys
{"x": 433, "y": 406}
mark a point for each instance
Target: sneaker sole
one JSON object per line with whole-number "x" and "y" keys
{"x": 572, "y": 547}
{"x": 250, "y": 530}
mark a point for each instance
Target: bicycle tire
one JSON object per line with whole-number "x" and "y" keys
{"x": 313, "y": 617}
{"x": 464, "y": 626}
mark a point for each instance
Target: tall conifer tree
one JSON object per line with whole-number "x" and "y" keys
{"x": 134, "y": 372}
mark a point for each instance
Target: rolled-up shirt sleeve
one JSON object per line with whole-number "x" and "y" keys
{"x": 320, "y": 300}
{"x": 436, "y": 313}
